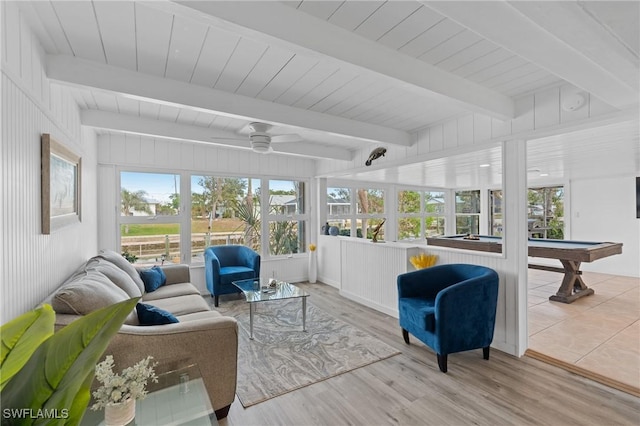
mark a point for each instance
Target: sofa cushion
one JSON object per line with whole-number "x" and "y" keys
{"x": 152, "y": 315}
{"x": 85, "y": 293}
{"x": 115, "y": 274}
{"x": 153, "y": 278}
{"x": 181, "y": 305}
{"x": 171, "y": 290}
{"x": 123, "y": 264}
{"x": 199, "y": 315}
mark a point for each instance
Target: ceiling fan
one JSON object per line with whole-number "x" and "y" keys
{"x": 261, "y": 139}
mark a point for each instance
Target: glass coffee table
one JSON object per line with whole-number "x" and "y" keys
{"x": 258, "y": 290}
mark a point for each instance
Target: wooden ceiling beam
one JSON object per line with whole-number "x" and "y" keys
{"x": 169, "y": 130}
{"x": 83, "y": 73}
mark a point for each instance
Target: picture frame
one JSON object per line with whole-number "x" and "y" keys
{"x": 61, "y": 171}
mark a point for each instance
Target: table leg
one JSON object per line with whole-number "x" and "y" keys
{"x": 251, "y": 310}
{"x": 572, "y": 287}
{"x": 304, "y": 314}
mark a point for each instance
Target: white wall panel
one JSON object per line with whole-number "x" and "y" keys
{"x": 450, "y": 134}
{"x": 465, "y": 130}
{"x": 525, "y": 119}
{"x": 481, "y": 128}
{"x": 616, "y": 208}
{"x": 132, "y": 148}
{"x": 536, "y": 114}
{"x": 499, "y": 128}
{"x": 369, "y": 272}
{"x": 547, "y": 108}
{"x": 34, "y": 264}
{"x": 436, "y": 138}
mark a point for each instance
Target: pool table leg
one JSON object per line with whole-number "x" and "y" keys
{"x": 572, "y": 287}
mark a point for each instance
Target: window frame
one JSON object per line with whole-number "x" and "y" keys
{"x": 423, "y": 214}
{"x": 477, "y": 215}
{"x": 185, "y": 247}
{"x": 303, "y": 217}
{"x": 183, "y": 218}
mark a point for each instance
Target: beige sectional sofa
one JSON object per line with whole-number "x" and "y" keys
{"x": 202, "y": 335}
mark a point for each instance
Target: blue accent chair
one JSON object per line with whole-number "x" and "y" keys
{"x": 450, "y": 308}
{"x": 225, "y": 264}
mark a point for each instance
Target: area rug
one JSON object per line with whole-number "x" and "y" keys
{"x": 282, "y": 358}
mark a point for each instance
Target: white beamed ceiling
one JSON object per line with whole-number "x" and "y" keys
{"x": 382, "y": 69}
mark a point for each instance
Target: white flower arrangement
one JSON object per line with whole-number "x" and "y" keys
{"x": 131, "y": 384}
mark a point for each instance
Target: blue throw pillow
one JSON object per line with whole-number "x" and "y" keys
{"x": 153, "y": 278}
{"x": 151, "y": 315}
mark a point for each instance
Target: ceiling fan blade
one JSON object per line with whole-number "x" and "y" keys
{"x": 286, "y": 138}
{"x": 234, "y": 138}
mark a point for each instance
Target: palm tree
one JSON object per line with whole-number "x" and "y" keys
{"x": 134, "y": 201}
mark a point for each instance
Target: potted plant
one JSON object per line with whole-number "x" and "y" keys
{"x": 119, "y": 392}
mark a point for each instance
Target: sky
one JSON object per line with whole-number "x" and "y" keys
{"x": 159, "y": 186}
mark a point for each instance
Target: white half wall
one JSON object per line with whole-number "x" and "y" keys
{"x": 34, "y": 264}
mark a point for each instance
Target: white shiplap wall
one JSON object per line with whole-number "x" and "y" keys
{"x": 614, "y": 219}
{"x": 369, "y": 271}
{"x": 117, "y": 152}
{"x": 34, "y": 264}
{"x": 536, "y": 115}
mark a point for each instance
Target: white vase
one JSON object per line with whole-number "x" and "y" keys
{"x": 121, "y": 413}
{"x": 313, "y": 267}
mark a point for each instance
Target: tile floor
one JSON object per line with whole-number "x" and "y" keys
{"x": 598, "y": 333}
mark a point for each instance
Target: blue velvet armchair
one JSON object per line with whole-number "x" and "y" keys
{"x": 450, "y": 308}
{"x": 225, "y": 264}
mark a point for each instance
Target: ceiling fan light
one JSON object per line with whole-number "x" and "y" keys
{"x": 260, "y": 143}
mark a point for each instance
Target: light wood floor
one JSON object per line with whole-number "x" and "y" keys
{"x": 408, "y": 389}
{"x": 598, "y": 335}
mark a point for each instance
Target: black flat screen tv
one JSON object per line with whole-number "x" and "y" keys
{"x": 638, "y": 197}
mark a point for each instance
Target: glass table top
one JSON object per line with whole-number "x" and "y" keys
{"x": 259, "y": 290}
{"x": 179, "y": 398}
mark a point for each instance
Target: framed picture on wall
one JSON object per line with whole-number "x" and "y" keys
{"x": 60, "y": 193}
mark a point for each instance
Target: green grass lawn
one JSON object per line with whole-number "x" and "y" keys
{"x": 197, "y": 226}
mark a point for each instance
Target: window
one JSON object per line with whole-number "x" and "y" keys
{"x": 339, "y": 209}
{"x": 409, "y": 215}
{"x": 287, "y": 217}
{"x": 369, "y": 212}
{"x": 421, "y": 214}
{"x": 545, "y": 217}
{"x": 495, "y": 198}
{"x": 546, "y": 212}
{"x": 356, "y": 210}
{"x": 468, "y": 212}
{"x": 224, "y": 210}
{"x": 157, "y": 225}
{"x": 434, "y": 211}
{"x": 149, "y": 216}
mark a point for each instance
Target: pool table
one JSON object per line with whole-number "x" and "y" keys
{"x": 569, "y": 253}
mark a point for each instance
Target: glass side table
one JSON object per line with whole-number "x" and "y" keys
{"x": 179, "y": 398}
